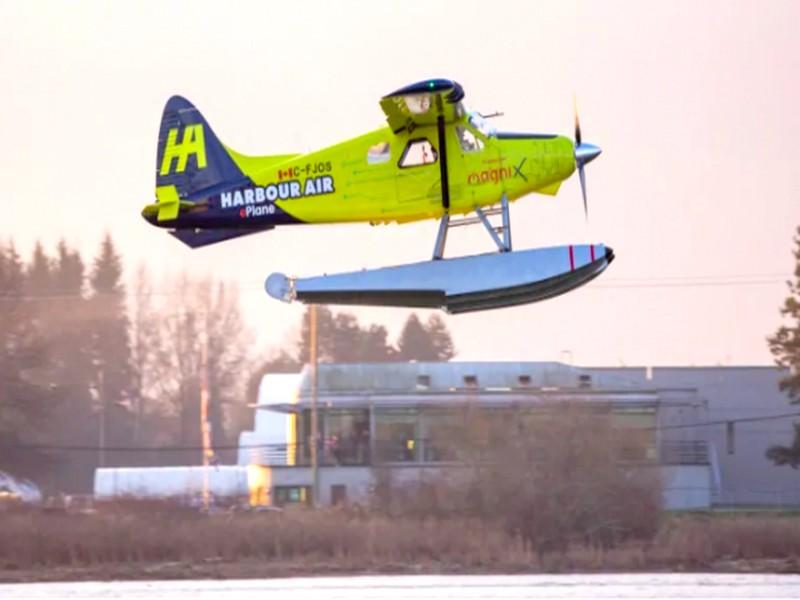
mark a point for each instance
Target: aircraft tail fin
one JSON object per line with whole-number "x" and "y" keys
{"x": 191, "y": 162}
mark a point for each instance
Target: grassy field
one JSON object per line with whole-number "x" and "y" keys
{"x": 134, "y": 541}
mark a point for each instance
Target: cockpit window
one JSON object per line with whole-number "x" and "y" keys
{"x": 468, "y": 140}
{"x": 481, "y": 124}
{"x": 418, "y": 152}
{"x": 379, "y": 153}
{"x": 418, "y": 104}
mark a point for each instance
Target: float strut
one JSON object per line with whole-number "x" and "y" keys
{"x": 506, "y": 223}
{"x": 490, "y": 228}
{"x": 441, "y": 237}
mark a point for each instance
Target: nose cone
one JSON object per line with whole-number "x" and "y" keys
{"x": 586, "y": 153}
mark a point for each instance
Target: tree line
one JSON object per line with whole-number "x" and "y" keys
{"x": 111, "y": 371}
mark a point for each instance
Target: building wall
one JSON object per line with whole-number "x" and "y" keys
{"x": 685, "y": 487}
{"x": 747, "y": 477}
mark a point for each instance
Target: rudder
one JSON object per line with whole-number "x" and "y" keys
{"x": 191, "y": 162}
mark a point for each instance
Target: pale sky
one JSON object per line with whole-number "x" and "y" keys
{"x": 695, "y": 104}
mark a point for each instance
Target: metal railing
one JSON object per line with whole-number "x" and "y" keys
{"x": 683, "y": 452}
{"x": 334, "y": 452}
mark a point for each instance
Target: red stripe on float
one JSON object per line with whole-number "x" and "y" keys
{"x": 571, "y": 259}
{"x": 591, "y": 251}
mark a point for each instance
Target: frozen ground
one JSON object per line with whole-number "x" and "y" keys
{"x": 675, "y": 585}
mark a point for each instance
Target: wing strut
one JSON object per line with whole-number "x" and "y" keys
{"x": 503, "y": 244}
{"x": 443, "y": 163}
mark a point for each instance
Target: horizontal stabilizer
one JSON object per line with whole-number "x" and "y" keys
{"x": 195, "y": 238}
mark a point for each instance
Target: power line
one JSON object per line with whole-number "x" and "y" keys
{"x": 724, "y": 422}
{"x": 623, "y": 283}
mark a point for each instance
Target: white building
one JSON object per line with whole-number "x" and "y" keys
{"x": 389, "y": 417}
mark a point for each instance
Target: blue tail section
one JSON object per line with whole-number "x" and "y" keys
{"x": 190, "y": 156}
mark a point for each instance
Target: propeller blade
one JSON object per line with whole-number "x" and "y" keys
{"x": 582, "y": 177}
{"x": 584, "y": 154}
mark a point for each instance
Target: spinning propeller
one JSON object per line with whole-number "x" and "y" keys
{"x": 584, "y": 154}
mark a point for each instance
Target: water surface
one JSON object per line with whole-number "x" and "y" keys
{"x": 640, "y": 585}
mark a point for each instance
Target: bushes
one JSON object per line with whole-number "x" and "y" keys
{"x": 308, "y": 542}
{"x": 125, "y": 534}
{"x": 553, "y": 480}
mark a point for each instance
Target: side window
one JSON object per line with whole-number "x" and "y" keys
{"x": 417, "y": 153}
{"x": 468, "y": 140}
{"x": 379, "y": 153}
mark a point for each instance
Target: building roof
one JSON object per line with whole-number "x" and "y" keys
{"x": 453, "y": 383}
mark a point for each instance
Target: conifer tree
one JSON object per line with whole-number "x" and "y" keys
{"x": 414, "y": 342}
{"x": 785, "y": 347}
{"x": 110, "y": 345}
{"x": 24, "y": 402}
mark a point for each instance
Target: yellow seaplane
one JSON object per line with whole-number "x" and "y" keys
{"x": 435, "y": 159}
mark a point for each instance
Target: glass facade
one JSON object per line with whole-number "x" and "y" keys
{"x": 440, "y": 435}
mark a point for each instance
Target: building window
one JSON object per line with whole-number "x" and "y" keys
{"x": 292, "y": 494}
{"x": 418, "y": 152}
{"x": 379, "y": 153}
{"x": 396, "y": 435}
{"x": 346, "y": 436}
{"x": 471, "y": 381}
{"x": 338, "y": 494}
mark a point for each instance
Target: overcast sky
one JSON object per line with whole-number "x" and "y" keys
{"x": 695, "y": 104}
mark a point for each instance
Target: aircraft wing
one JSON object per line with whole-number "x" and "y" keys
{"x": 422, "y": 103}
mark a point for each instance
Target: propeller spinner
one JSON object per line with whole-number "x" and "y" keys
{"x": 584, "y": 154}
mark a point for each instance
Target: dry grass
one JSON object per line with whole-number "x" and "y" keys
{"x": 309, "y": 541}
{"x": 161, "y": 532}
{"x": 552, "y": 498}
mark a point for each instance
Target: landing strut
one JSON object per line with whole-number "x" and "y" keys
{"x": 504, "y": 229}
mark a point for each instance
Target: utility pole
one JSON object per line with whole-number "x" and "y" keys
{"x": 205, "y": 426}
{"x": 314, "y": 413}
{"x": 101, "y": 442}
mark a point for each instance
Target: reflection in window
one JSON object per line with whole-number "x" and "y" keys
{"x": 418, "y": 152}
{"x": 346, "y": 436}
{"x": 418, "y": 104}
{"x": 396, "y": 435}
{"x": 481, "y": 124}
{"x": 468, "y": 140}
{"x": 379, "y": 153}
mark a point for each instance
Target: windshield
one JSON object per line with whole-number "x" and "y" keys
{"x": 481, "y": 124}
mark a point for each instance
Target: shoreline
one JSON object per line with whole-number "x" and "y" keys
{"x": 254, "y": 569}
{"x": 249, "y": 569}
